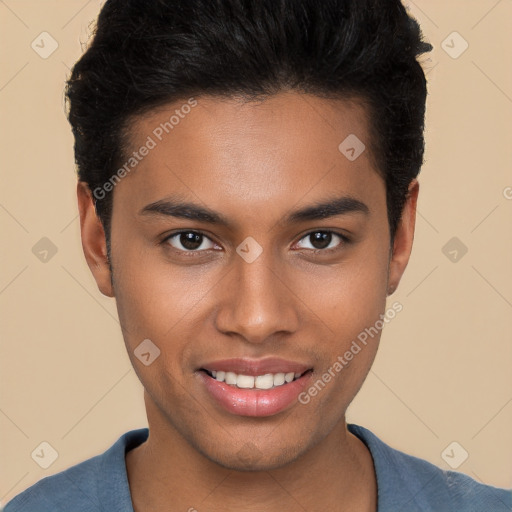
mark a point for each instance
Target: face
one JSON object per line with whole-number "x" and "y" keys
{"x": 223, "y": 259}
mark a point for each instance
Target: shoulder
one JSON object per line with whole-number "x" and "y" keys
{"x": 85, "y": 487}
{"x": 75, "y": 485}
{"x": 410, "y": 483}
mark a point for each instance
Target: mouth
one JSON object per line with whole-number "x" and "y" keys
{"x": 247, "y": 387}
{"x": 265, "y": 381}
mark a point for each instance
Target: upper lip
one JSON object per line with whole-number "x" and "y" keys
{"x": 254, "y": 367}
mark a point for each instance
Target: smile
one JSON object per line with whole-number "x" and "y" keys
{"x": 266, "y": 381}
{"x": 254, "y": 387}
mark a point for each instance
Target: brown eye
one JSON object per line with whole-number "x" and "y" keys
{"x": 189, "y": 241}
{"x": 324, "y": 240}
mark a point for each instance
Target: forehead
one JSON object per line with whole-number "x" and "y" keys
{"x": 279, "y": 122}
{"x": 253, "y": 154}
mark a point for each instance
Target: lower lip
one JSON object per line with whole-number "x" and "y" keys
{"x": 254, "y": 402}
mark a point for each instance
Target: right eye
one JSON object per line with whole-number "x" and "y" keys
{"x": 188, "y": 241}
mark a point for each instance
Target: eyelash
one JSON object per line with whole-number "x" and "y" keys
{"x": 344, "y": 240}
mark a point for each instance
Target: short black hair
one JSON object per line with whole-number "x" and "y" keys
{"x": 146, "y": 53}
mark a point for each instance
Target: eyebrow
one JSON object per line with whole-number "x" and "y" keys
{"x": 172, "y": 207}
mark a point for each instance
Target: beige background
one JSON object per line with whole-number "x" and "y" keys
{"x": 443, "y": 372}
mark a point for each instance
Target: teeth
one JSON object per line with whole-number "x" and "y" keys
{"x": 264, "y": 381}
{"x": 279, "y": 379}
{"x": 230, "y": 378}
{"x": 245, "y": 381}
{"x": 267, "y": 381}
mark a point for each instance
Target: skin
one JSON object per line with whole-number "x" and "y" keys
{"x": 253, "y": 163}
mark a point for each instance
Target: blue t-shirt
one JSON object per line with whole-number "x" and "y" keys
{"x": 405, "y": 483}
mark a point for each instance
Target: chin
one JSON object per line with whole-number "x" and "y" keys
{"x": 252, "y": 456}
{"x": 250, "y": 459}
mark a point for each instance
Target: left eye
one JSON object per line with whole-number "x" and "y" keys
{"x": 322, "y": 240}
{"x": 190, "y": 241}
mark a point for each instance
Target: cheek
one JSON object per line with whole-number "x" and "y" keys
{"x": 153, "y": 297}
{"x": 154, "y": 304}
{"x": 350, "y": 305}
{"x": 350, "y": 296}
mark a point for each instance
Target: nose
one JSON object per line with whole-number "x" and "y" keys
{"x": 257, "y": 302}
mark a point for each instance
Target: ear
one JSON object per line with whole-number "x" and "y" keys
{"x": 404, "y": 236}
{"x": 94, "y": 242}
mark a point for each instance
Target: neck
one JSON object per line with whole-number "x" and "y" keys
{"x": 336, "y": 474}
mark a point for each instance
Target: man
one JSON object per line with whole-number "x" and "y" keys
{"x": 247, "y": 193}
